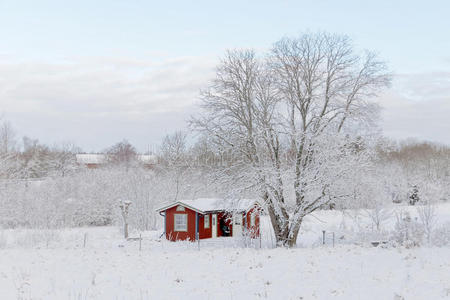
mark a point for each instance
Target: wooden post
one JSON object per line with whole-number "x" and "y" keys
{"x": 140, "y": 241}
{"x": 84, "y": 240}
{"x": 196, "y": 226}
{"x": 124, "y": 206}
{"x": 323, "y": 237}
{"x": 165, "y": 222}
{"x": 333, "y": 238}
{"x": 125, "y": 230}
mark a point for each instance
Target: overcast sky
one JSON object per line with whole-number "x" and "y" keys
{"x": 96, "y": 72}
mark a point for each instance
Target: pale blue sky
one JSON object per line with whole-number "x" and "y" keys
{"x": 126, "y": 67}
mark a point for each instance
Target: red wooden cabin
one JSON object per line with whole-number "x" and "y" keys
{"x": 210, "y": 218}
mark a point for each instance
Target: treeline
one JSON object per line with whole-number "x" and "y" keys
{"x": 415, "y": 167}
{"x": 44, "y": 187}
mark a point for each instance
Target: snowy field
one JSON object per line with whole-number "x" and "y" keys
{"x": 57, "y": 265}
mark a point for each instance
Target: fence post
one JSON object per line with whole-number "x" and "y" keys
{"x": 323, "y": 237}
{"x": 333, "y": 238}
{"x": 84, "y": 240}
{"x": 140, "y": 241}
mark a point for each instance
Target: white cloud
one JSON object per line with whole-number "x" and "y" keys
{"x": 418, "y": 106}
{"x": 98, "y": 101}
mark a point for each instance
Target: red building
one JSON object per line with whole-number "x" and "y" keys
{"x": 210, "y": 218}
{"x": 97, "y": 160}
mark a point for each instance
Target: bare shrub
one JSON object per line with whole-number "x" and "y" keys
{"x": 408, "y": 232}
{"x": 379, "y": 214}
{"x": 428, "y": 218}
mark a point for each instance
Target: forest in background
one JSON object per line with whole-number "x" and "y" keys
{"x": 44, "y": 187}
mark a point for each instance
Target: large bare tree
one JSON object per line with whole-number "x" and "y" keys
{"x": 122, "y": 153}
{"x": 287, "y": 117}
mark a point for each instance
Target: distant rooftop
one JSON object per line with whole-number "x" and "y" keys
{"x": 98, "y": 159}
{"x": 95, "y": 159}
{"x": 148, "y": 158}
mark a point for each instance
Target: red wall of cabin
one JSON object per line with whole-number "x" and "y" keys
{"x": 204, "y": 233}
{"x": 207, "y": 232}
{"x": 173, "y": 235}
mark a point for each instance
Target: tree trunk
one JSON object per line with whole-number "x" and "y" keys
{"x": 285, "y": 235}
{"x": 280, "y": 224}
{"x": 294, "y": 234}
{"x": 125, "y": 230}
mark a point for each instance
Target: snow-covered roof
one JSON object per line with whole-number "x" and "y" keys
{"x": 203, "y": 205}
{"x": 147, "y": 158}
{"x": 98, "y": 159}
{"x": 91, "y": 158}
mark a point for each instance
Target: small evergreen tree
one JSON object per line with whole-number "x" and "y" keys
{"x": 414, "y": 195}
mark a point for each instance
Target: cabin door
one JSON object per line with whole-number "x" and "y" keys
{"x": 237, "y": 225}
{"x": 214, "y": 225}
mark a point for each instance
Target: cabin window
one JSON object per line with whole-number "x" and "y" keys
{"x": 180, "y": 208}
{"x": 180, "y": 222}
{"x": 252, "y": 219}
{"x": 206, "y": 224}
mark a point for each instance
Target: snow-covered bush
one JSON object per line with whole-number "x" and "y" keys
{"x": 408, "y": 232}
{"x": 428, "y": 219}
{"x": 89, "y": 197}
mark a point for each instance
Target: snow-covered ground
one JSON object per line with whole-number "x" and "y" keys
{"x": 355, "y": 226}
{"x": 55, "y": 265}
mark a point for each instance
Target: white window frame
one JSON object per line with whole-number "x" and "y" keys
{"x": 180, "y": 208}
{"x": 206, "y": 222}
{"x": 180, "y": 226}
